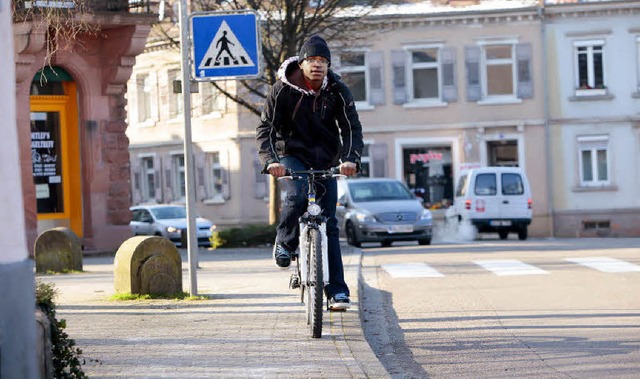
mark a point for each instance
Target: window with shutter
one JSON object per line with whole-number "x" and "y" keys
{"x": 472, "y": 65}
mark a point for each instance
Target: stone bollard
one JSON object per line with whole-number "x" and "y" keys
{"x": 58, "y": 250}
{"x": 148, "y": 265}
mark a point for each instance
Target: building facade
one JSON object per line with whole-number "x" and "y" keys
{"x": 71, "y": 122}
{"x": 440, "y": 88}
{"x": 594, "y": 116}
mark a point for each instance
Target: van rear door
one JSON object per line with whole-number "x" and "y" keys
{"x": 485, "y": 203}
{"x": 514, "y": 196}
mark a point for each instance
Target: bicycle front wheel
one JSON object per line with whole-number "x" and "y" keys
{"x": 315, "y": 283}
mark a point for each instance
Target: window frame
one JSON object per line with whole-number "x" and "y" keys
{"x": 144, "y": 176}
{"x": 178, "y": 177}
{"x": 144, "y": 90}
{"x": 409, "y": 74}
{"x": 176, "y": 108}
{"x": 637, "y": 92}
{"x": 212, "y": 166}
{"x": 593, "y": 144}
{"x": 589, "y": 44}
{"x": 486, "y": 62}
{"x": 360, "y": 104}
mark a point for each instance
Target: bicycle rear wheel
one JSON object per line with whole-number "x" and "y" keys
{"x": 315, "y": 283}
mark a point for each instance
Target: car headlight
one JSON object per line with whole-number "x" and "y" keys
{"x": 172, "y": 229}
{"x": 365, "y": 217}
{"x": 426, "y": 215}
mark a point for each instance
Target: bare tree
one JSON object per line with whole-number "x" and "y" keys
{"x": 62, "y": 24}
{"x": 285, "y": 25}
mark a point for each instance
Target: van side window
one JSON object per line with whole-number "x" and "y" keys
{"x": 486, "y": 184}
{"x": 512, "y": 184}
{"x": 462, "y": 186}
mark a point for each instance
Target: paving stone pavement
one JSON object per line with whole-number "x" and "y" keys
{"x": 253, "y": 325}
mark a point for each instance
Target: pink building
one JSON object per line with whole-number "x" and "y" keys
{"x": 71, "y": 127}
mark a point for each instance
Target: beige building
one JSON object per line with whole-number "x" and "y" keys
{"x": 439, "y": 89}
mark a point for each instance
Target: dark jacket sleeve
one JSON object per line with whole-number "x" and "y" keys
{"x": 350, "y": 127}
{"x": 267, "y": 131}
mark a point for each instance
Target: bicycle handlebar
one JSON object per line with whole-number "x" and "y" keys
{"x": 333, "y": 172}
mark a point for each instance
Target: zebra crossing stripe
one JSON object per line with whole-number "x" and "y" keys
{"x": 411, "y": 270}
{"x": 605, "y": 264}
{"x": 510, "y": 267}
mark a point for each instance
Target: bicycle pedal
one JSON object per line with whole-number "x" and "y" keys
{"x": 294, "y": 281}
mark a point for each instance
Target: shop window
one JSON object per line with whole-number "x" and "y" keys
{"x": 428, "y": 173}
{"x": 47, "y": 161}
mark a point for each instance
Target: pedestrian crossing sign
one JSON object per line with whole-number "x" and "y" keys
{"x": 225, "y": 45}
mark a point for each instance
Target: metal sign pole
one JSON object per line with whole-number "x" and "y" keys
{"x": 192, "y": 244}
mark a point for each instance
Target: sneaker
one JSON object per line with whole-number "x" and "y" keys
{"x": 282, "y": 256}
{"x": 339, "y": 302}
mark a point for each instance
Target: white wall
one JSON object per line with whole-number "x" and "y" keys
{"x": 13, "y": 243}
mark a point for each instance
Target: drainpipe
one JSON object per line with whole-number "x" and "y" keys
{"x": 547, "y": 131}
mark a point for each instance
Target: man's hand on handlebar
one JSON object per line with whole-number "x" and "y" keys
{"x": 277, "y": 169}
{"x": 348, "y": 168}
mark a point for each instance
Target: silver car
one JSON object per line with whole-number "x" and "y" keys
{"x": 381, "y": 210}
{"x": 168, "y": 221}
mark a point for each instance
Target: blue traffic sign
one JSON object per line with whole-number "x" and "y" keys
{"x": 225, "y": 45}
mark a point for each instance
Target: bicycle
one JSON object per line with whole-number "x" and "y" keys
{"x": 312, "y": 256}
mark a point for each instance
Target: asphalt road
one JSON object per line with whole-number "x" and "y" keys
{"x": 544, "y": 308}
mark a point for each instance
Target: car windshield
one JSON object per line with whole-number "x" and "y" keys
{"x": 379, "y": 191}
{"x": 169, "y": 212}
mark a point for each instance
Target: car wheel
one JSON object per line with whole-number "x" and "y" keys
{"x": 352, "y": 238}
{"x": 522, "y": 233}
{"x": 503, "y": 235}
{"x": 385, "y": 243}
{"x": 424, "y": 241}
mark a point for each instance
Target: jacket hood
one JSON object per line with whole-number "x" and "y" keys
{"x": 285, "y": 70}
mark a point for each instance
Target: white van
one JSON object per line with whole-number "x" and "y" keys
{"x": 494, "y": 200}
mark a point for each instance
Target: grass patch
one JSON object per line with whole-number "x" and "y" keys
{"x": 177, "y": 296}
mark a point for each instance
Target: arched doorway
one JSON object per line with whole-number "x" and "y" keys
{"x": 55, "y": 150}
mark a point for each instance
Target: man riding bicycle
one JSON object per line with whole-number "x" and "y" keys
{"x": 310, "y": 121}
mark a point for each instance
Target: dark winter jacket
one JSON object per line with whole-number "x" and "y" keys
{"x": 321, "y": 129}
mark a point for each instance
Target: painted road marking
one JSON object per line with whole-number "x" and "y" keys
{"x": 510, "y": 267}
{"x": 605, "y": 264}
{"x": 411, "y": 270}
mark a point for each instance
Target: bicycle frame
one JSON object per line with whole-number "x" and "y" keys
{"x": 312, "y": 222}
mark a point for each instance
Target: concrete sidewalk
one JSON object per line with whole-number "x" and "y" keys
{"x": 253, "y": 325}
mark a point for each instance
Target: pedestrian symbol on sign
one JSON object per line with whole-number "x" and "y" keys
{"x": 225, "y": 51}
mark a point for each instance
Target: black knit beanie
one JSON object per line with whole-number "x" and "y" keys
{"x": 315, "y": 46}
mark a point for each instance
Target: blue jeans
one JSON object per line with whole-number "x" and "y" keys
{"x": 294, "y": 206}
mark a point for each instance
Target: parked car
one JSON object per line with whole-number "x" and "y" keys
{"x": 493, "y": 200}
{"x": 168, "y": 221}
{"x": 381, "y": 210}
